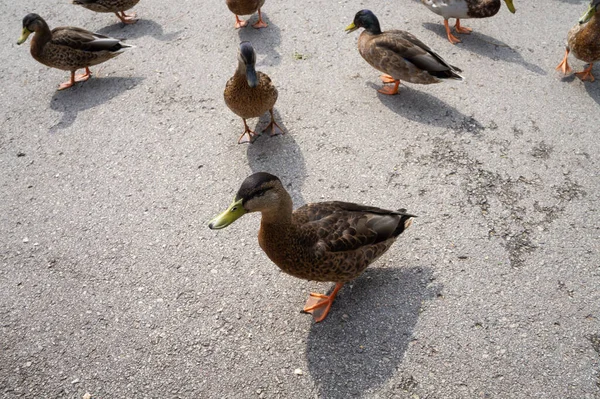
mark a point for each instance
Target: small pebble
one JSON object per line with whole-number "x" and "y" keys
{"x": 87, "y": 395}
{"x": 25, "y": 239}
{"x": 298, "y": 372}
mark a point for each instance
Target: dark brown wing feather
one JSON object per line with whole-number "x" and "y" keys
{"x": 81, "y": 39}
{"x": 343, "y": 226}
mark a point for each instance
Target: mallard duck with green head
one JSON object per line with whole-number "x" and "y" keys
{"x": 249, "y": 94}
{"x": 583, "y": 42}
{"x": 399, "y": 55}
{"x": 246, "y": 7}
{"x": 69, "y": 48}
{"x": 463, "y": 9}
{"x": 325, "y": 241}
{"x": 118, "y": 7}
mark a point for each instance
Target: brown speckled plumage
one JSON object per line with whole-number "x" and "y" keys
{"x": 584, "y": 40}
{"x": 107, "y": 5}
{"x": 244, "y": 7}
{"x": 249, "y": 102}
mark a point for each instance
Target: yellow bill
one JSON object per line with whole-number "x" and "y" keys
{"x": 588, "y": 14}
{"x": 351, "y": 28}
{"x": 233, "y": 213}
{"x": 24, "y": 35}
{"x": 511, "y": 6}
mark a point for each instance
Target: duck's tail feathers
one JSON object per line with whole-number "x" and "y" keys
{"x": 406, "y": 220}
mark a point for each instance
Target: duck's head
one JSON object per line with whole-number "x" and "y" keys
{"x": 510, "y": 5}
{"x": 365, "y": 19}
{"x": 258, "y": 193}
{"x": 31, "y": 23}
{"x": 247, "y": 59}
{"x": 594, "y": 5}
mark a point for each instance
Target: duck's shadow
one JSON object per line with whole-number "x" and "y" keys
{"x": 265, "y": 41}
{"x": 487, "y": 46}
{"x": 363, "y": 340}
{"x": 87, "y": 95}
{"x": 593, "y": 90}
{"x": 418, "y": 106}
{"x": 279, "y": 155}
{"x": 143, "y": 27}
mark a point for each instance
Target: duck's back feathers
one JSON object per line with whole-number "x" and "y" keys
{"x": 403, "y": 56}
{"x": 81, "y": 39}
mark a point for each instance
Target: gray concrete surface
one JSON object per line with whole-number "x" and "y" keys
{"x": 111, "y": 283}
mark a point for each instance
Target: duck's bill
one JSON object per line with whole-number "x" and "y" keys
{"x": 511, "y": 6}
{"x": 24, "y": 35}
{"x": 351, "y": 28}
{"x": 251, "y": 76}
{"x": 588, "y": 15}
{"x": 233, "y": 213}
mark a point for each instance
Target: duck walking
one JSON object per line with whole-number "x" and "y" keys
{"x": 584, "y": 42}
{"x": 118, "y": 7}
{"x": 325, "y": 241}
{"x": 246, "y": 7}
{"x": 69, "y": 48}
{"x": 399, "y": 55}
{"x": 249, "y": 94}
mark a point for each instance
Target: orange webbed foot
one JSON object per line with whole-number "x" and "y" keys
{"x": 390, "y": 91}
{"x": 451, "y": 38}
{"x": 319, "y": 305}
{"x": 83, "y": 77}
{"x": 251, "y": 135}
{"x": 127, "y": 19}
{"x": 564, "y": 64}
{"x": 462, "y": 29}
{"x": 273, "y": 128}
{"x": 239, "y": 23}
{"x": 586, "y": 74}
{"x": 260, "y": 23}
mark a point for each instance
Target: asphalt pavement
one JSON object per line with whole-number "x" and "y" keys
{"x": 112, "y": 285}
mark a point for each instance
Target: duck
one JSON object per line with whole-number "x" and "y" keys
{"x": 326, "y": 241}
{"x": 69, "y": 48}
{"x": 246, "y": 7}
{"x": 583, "y": 41}
{"x": 462, "y": 9}
{"x": 118, "y": 7}
{"x": 399, "y": 55}
{"x": 249, "y": 93}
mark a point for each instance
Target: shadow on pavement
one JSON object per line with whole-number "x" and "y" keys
{"x": 86, "y": 95}
{"x": 593, "y": 89}
{"x": 279, "y": 155}
{"x": 419, "y": 106}
{"x": 348, "y": 355}
{"x": 265, "y": 41}
{"x": 486, "y": 46}
{"x": 143, "y": 27}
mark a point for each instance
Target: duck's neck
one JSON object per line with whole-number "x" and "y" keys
{"x": 41, "y": 36}
{"x": 240, "y": 72}
{"x": 374, "y": 28}
{"x": 279, "y": 216}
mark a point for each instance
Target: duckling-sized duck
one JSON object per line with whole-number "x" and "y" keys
{"x": 246, "y": 7}
{"x": 115, "y": 6}
{"x": 584, "y": 42}
{"x": 325, "y": 241}
{"x": 399, "y": 55}
{"x": 69, "y": 48}
{"x": 249, "y": 94}
{"x": 462, "y": 9}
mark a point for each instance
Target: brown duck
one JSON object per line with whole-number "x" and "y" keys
{"x": 69, "y": 48}
{"x": 399, "y": 54}
{"x": 249, "y": 94}
{"x": 584, "y": 42}
{"x": 115, "y": 6}
{"x": 246, "y": 7}
{"x": 325, "y": 241}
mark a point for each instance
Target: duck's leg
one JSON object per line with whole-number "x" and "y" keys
{"x": 85, "y": 76}
{"x": 273, "y": 127}
{"x": 260, "y": 23}
{"x": 126, "y": 19}
{"x": 240, "y": 23}
{"x": 248, "y": 132}
{"x": 385, "y": 78}
{"x": 68, "y": 84}
{"x": 586, "y": 74}
{"x": 318, "y": 304}
{"x": 390, "y": 91}
{"x": 453, "y": 39}
{"x": 462, "y": 29}
{"x": 564, "y": 64}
